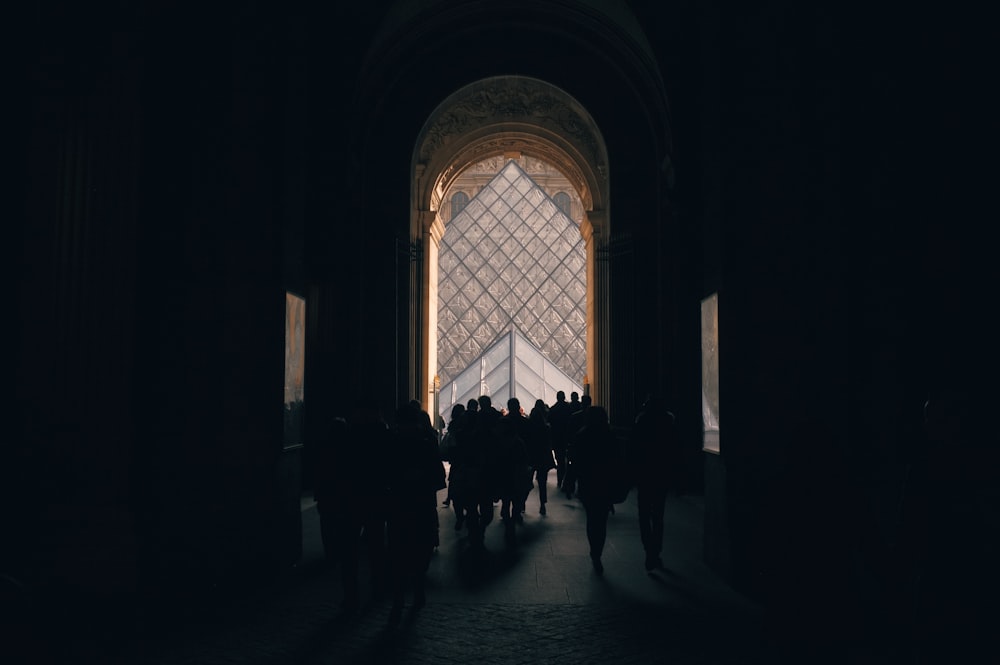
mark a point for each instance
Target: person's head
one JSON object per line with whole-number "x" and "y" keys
{"x": 560, "y": 396}
{"x": 574, "y": 396}
{"x": 514, "y": 406}
{"x": 485, "y": 403}
{"x": 540, "y": 404}
{"x": 473, "y": 405}
{"x": 457, "y": 411}
{"x": 586, "y": 400}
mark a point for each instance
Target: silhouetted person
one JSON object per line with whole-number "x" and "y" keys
{"x": 655, "y": 466}
{"x": 486, "y": 408}
{"x": 352, "y": 503}
{"x": 596, "y": 457}
{"x": 415, "y": 474}
{"x": 509, "y": 465}
{"x": 575, "y": 423}
{"x": 518, "y": 485}
{"x": 486, "y": 429}
{"x": 470, "y": 488}
{"x": 559, "y": 415}
{"x": 448, "y": 444}
{"x": 540, "y": 451}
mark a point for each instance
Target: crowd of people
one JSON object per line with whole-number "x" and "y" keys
{"x": 377, "y": 483}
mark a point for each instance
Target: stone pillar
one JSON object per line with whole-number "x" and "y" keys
{"x": 423, "y": 350}
{"x": 593, "y": 229}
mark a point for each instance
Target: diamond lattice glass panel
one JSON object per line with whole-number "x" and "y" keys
{"x": 513, "y": 246}
{"x": 448, "y": 261}
{"x": 474, "y": 208}
{"x": 549, "y": 261}
{"x": 535, "y": 197}
{"x": 574, "y": 262}
{"x": 488, "y": 196}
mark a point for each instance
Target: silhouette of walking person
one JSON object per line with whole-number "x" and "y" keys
{"x": 514, "y": 440}
{"x": 540, "y": 452}
{"x": 655, "y": 467}
{"x": 415, "y": 474}
{"x": 596, "y": 457}
{"x": 449, "y": 445}
{"x": 471, "y": 487}
{"x": 351, "y": 503}
{"x": 574, "y": 424}
{"x": 558, "y": 416}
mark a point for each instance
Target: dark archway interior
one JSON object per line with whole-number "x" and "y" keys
{"x": 177, "y": 171}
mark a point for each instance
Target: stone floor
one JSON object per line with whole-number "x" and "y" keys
{"x": 538, "y": 601}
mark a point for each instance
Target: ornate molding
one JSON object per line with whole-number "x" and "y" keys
{"x": 513, "y": 113}
{"x": 510, "y": 99}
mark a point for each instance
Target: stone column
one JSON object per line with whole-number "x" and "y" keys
{"x": 593, "y": 229}
{"x": 424, "y": 347}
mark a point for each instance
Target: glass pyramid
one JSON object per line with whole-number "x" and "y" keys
{"x": 511, "y": 260}
{"x": 512, "y": 365}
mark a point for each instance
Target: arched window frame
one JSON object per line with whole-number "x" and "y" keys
{"x": 458, "y": 202}
{"x": 562, "y": 200}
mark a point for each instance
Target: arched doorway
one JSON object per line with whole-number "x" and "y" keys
{"x": 511, "y": 116}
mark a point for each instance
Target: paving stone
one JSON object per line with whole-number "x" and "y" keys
{"x": 538, "y": 601}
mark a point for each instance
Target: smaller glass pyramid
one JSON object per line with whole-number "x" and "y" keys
{"x": 511, "y": 366}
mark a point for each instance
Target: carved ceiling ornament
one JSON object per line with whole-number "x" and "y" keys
{"x": 511, "y": 114}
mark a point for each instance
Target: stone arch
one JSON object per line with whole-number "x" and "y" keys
{"x": 504, "y": 115}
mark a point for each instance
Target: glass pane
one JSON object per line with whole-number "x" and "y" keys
{"x": 468, "y": 381}
{"x": 523, "y": 208}
{"x": 574, "y": 262}
{"x": 498, "y": 385}
{"x": 548, "y": 261}
{"x": 489, "y": 224}
{"x": 535, "y": 196}
{"x": 474, "y": 234}
{"x": 510, "y": 246}
{"x": 548, "y": 209}
{"x": 474, "y": 209}
{"x": 510, "y": 197}
{"x": 487, "y": 196}
{"x": 496, "y": 356}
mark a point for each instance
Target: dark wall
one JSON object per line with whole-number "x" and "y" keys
{"x": 844, "y": 274}
{"x": 212, "y": 315}
{"x": 154, "y": 267}
{"x": 75, "y": 326}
